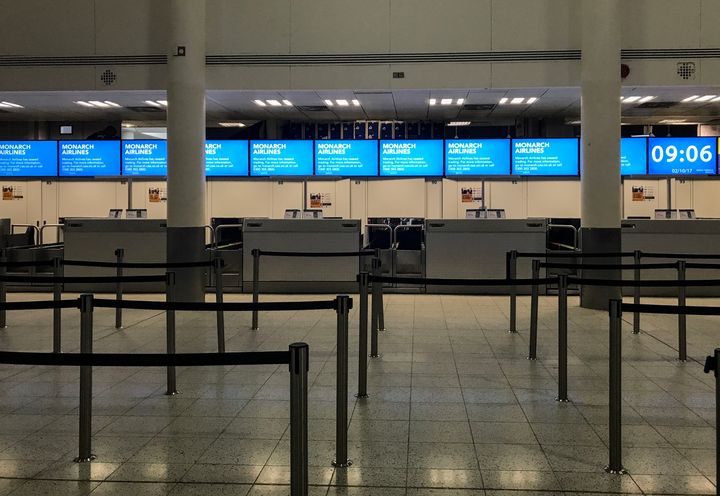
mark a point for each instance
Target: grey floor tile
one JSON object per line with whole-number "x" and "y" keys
{"x": 502, "y": 433}
{"x": 55, "y": 488}
{"x": 511, "y": 457}
{"x": 674, "y": 484}
{"x": 445, "y": 478}
{"x": 134, "y": 488}
{"x": 370, "y": 476}
{"x": 425, "y": 431}
{"x": 442, "y": 456}
{"x": 520, "y": 480}
{"x": 206, "y": 489}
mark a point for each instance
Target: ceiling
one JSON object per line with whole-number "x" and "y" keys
{"x": 480, "y": 105}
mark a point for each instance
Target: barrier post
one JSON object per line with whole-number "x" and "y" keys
{"x": 57, "y": 315}
{"x": 711, "y": 365}
{"x": 3, "y": 289}
{"x": 218, "y": 267}
{"x": 511, "y": 273}
{"x": 374, "y": 309}
{"x": 615, "y": 401}
{"x": 341, "y": 400}
{"x": 255, "y": 287}
{"x": 363, "y": 336}
{"x": 562, "y": 337}
{"x": 299, "y": 366}
{"x": 637, "y": 257}
{"x": 119, "y": 255}
{"x": 534, "y": 310}
{"x": 682, "y": 318}
{"x": 170, "y": 332}
{"x": 86, "y": 346}
{"x": 381, "y": 304}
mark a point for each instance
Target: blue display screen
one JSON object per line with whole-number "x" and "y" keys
{"x": 682, "y": 156}
{"x": 89, "y": 158}
{"x": 144, "y": 158}
{"x": 545, "y": 157}
{"x": 226, "y": 158}
{"x": 28, "y": 158}
{"x": 411, "y": 158}
{"x": 633, "y": 156}
{"x": 281, "y": 158}
{"x": 346, "y": 158}
{"x": 477, "y": 157}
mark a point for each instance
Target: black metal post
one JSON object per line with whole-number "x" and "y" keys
{"x": 682, "y": 318}
{"x": 511, "y": 273}
{"x": 218, "y": 264}
{"x": 86, "y": 346}
{"x": 534, "y": 302}
{"x": 255, "y": 287}
{"x": 3, "y": 289}
{"x": 615, "y": 401}
{"x": 170, "y": 332}
{"x": 381, "y": 303}
{"x": 637, "y": 257}
{"x": 299, "y": 366}
{"x": 341, "y": 400}
{"x": 119, "y": 256}
{"x": 562, "y": 337}
{"x": 57, "y": 312}
{"x": 374, "y": 320}
{"x": 363, "y": 336}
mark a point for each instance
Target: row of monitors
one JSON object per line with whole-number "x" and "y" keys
{"x": 360, "y": 158}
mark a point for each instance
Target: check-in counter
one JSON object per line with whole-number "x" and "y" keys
{"x": 673, "y": 236}
{"x": 476, "y": 249}
{"x": 144, "y": 240}
{"x": 302, "y": 275}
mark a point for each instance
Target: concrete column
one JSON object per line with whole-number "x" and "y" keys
{"x": 186, "y": 144}
{"x": 600, "y": 149}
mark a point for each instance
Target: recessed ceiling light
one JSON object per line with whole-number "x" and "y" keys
{"x": 274, "y": 103}
{"x": 84, "y": 104}
{"x": 343, "y": 103}
{"x": 503, "y": 101}
{"x": 287, "y": 103}
{"x": 162, "y": 102}
{"x": 517, "y": 101}
{"x": 231, "y": 124}
{"x": 631, "y": 99}
{"x": 673, "y": 121}
{"x": 531, "y": 100}
{"x": 446, "y": 101}
{"x": 433, "y": 101}
{"x": 10, "y": 105}
{"x": 356, "y": 103}
{"x": 690, "y": 98}
{"x": 260, "y": 103}
{"x": 459, "y": 123}
{"x": 329, "y": 103}
{"x": 153, "y": 103}
{"x": 646, "y": 99}
{"x": 98, "y": 104}
{"x": 460, "y": 101}
{"x": 112, "y": 104}
{"x": 716, "y": 99}
{"x": 705, "y": 98}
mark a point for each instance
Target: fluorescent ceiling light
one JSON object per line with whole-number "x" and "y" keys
{"x": 274, "y": 103}
{"x": 705, "y": 98}
{"x": 531, "y": 100}
{"x": 716, "y": 99}
{"x": 673, "y": 121}
{"x": 690, "y": 98}
{"x": 85, "y": 104}
{"x": 162, "y": 102}
{"x": 329, "y": 103}
{"x": 460, "y": 101}
{"x": 446, "y": 101}
{"x": 459, "y": 123}
{"x": 112, "y": 104}
{"x": 96, "y": 103}
{"x": 10, "y": 104}
{"x": 433, "y": 101}
{"x": 287, "y": 103}
{"x": 260, "y": 103}
{"x": 356, "y": 103}
{"x": 503, "y": 101}
{"x": 631, "y": 99}
{"x": 231, "y": 124}
{"x": 517, "y": 101}
{"x": 646, "y": 99}
{"x": 153, "y": 103}
{"x": 343, "y": 103}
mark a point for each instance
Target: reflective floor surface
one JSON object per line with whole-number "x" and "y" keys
{"x": 455, "y": 408}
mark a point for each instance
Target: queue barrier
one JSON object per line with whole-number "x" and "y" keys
{"x": 257, "y": 253}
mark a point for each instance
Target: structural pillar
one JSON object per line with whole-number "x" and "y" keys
{"x": 186, "y": 145}
{"x": 600, "y": 149}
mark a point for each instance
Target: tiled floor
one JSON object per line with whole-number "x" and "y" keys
{"x": 454, "y": 409}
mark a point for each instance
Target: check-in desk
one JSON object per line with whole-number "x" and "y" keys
{"x": 143, "y": 240}
{"x": 476, "y": 249}
{"x": 673, "y": 236}
{"x": 302, "y": 275}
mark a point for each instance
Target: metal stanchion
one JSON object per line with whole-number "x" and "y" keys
{"x": 119, "y": 255}
{"x": 3, "y": 290}
{"x": 57, "y": 312}
{"x": 341, "y": 401}
{"x": 218, "y": 263}
{"x": 682, "y": 318}
{"x": 637, "y": 257}
{"x": 170, "y": 332}
{"x": 363, "y": 336}
{"x": 381, "y": 304}
{"x": 562, "y": 337}
{"x": 534, "y": 311}
{"x": 711, "y": 365}
{"x": 299, "y": 366}
{"x": 86, "y": 346}
{"x": 255, "y": 287}
{"x": 374, "y": 309}
{"x": 615, "y": 421}
{"x": 511, "y": 273}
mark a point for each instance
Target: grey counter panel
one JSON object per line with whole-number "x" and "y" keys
{"x": 279, "y": 274}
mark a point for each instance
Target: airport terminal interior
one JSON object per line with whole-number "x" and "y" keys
{"x": 376, "y": 248}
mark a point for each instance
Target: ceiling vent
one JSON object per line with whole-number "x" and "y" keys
{"x": 312, "y": 108}
{"x": 686, "y": 70}
{"x": 108, "y": 77}
{"x": 479, "y": 107}
{"x": 146, "y": 109}
{"x": 657, "y": 105}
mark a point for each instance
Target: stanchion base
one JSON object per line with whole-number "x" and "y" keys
{"x": 360, "y": 396}
{"x": 512, "y": 332}
{"x": 172, "y": 393}
{"x": 636, "y": 332}
{"x": 375, "y": 356}
{"x": 562, "y": 400}
{"x": 382, "y": 330}
{"x": 680, "y": 360}
{"x": 118, "y": 328}
{"x": 532, "y": 359}
{"x": 621, "y": 471}
{"x": 3, "y": 327}
{"x": 254, "y": 328}
{"x": 341, "y": 465}
{"x": 88, "y": 459}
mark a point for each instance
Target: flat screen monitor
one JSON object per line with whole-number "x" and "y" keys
{"x": 144, "y": 158}
{"x": 633, "y": 156}
{"x": 346, "y": 158}
{"x": 411, "y": 158}
{"x": 545, "y": 157}
{"x": 682, "y": 156}
{"x": 489, "y": 157}
{"x": 28, "y": 159}
{"x": 281, "y": 158}
{"x": 226, "y": 158}
{"x": 89, "y": 158}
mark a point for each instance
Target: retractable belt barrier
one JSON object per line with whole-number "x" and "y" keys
{"x": 553, "y": 265}
{"x": 139, "y": 265}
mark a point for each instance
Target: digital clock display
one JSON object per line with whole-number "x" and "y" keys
{"x": 682, "y": 156}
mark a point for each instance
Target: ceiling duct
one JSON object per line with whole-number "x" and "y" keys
{"x": 312, "y": 108}
{"x": 147, "y": 109}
